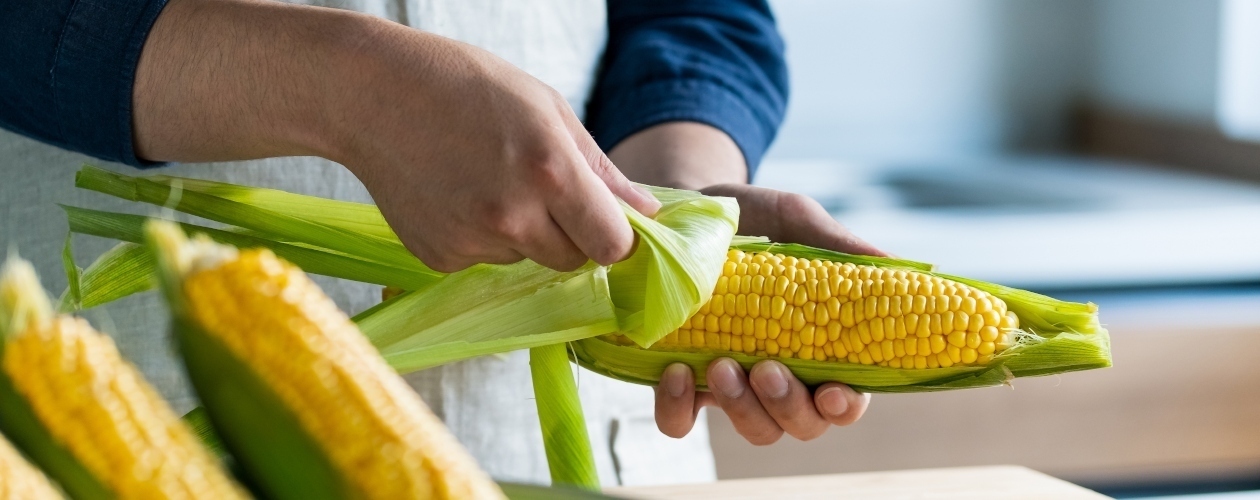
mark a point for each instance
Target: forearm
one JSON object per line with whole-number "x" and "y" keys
{"x": 225, "y": 80}
{"x": 687, "y": 155}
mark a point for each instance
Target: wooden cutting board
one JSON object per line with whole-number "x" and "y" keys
{"x": 1005, "y": 482}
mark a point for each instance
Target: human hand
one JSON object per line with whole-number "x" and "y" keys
{"x": 768, "y": 401}
{"x": 470, "y": 159}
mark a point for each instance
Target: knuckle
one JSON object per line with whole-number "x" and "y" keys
{"x": 497, "y": 218}
{"x": 794, "y": 203}
{"x": 610, "y": 252}
{"x": 545, "y": 170}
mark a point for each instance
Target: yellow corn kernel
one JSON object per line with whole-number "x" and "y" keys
{"x": 19, "y": 480}
{"x": 97, "y": 405}
{"x": 842, "y": 310}
{"x": 270, "y": 315}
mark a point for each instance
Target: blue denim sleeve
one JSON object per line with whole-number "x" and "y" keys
{"x": 67, "y": 68}
{"x": 718, "y": 62}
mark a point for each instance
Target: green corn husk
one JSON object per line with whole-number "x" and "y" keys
{"x": 564, "y": 428}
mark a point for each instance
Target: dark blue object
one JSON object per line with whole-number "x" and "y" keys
{"x": 67, "y": 68}
{"x": 718, "y": 62}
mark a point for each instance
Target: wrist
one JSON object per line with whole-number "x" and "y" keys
{"x": 685, "y": 155}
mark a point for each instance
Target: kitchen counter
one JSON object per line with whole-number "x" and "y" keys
{"x": 1004, "y": 482}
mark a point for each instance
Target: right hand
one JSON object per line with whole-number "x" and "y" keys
{"x": 470, "y": 159}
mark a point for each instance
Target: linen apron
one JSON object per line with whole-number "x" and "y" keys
{"x": 487, "y": 402}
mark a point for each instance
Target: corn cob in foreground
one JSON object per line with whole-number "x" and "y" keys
{"x": 87, "y": 416}
{"x": 334, "y": 408}
{"x": 19, "y": 480}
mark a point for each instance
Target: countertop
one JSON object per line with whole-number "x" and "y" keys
{"x": 1004, "y": 482}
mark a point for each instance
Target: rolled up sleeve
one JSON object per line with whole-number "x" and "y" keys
{"x": 718, "y": 62}
{"x": 68, "y": 71}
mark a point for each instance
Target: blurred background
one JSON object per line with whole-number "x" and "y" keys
{"x": 1100, "y": 150}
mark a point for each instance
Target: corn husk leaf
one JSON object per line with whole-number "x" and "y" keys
{"x": 130, "y": 228}
{"x": 490, "y": 309}
{"x": 171, "y": 192}
{"x": 565, "y": 438}
{"x": 124, "y": 270}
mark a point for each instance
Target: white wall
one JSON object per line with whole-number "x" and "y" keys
{"x": 881, "y": 79}
{"x": 890, "y": 80}
{"x": 1157, "y": 57}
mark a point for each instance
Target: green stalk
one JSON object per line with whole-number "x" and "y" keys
{"x": 560, "y": 414}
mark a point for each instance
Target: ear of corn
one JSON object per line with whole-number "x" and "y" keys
{"x": 19, "y": 480}
{"x": 297, "y": 393}
{"x": 871, "y": 325}
{"x": 86, "y": 416}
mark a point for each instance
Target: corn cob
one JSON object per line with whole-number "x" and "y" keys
{"x": 90, "y": 402}
{"x": 21, "y": 481}
{"x": 375, "y": 433}
{"x": 768, "y": 304}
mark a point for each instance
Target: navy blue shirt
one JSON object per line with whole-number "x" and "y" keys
{"x": 67, "y": 68}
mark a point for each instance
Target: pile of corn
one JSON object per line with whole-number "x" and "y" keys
{"x": 326, "y": 416}
{"x": 770, "y": 304}
{"x": 86, "y": 415}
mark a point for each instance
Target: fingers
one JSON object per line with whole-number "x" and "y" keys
{"x": 637, "y": 197}
{"x": 762, "y": 406}
{"x": 840, "y": 404}
{"x": 547, "y": 244}
{"x": 787, "y": 400}
{"x": 731, "y": 391}
{"x": 591, "y": 217}
{"x": 790, "y": 218}
{"x": 676, "y": 404}
{"x": 805, "y": 221}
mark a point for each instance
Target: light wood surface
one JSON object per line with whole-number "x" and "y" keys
{"x": 1003, "y": 482}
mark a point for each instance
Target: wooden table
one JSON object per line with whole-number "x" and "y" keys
{"x": 1004, "y": 482}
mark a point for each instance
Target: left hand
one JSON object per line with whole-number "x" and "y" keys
{"x": 768, "y": 401}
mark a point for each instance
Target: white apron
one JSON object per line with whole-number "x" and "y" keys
{"x": 487, "y": 402}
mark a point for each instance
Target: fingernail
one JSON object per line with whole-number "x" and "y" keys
{"x": 675, "y": 379}
{"x": 725, "y": 379}
{"x": 772, "y": 379}
{"x": 647, "y": 195}
{"x": 833, "y": 402}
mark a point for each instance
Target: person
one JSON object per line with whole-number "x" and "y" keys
{"x": 461, "y": 120}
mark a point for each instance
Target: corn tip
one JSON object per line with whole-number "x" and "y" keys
{"x": 23, "y": 302}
